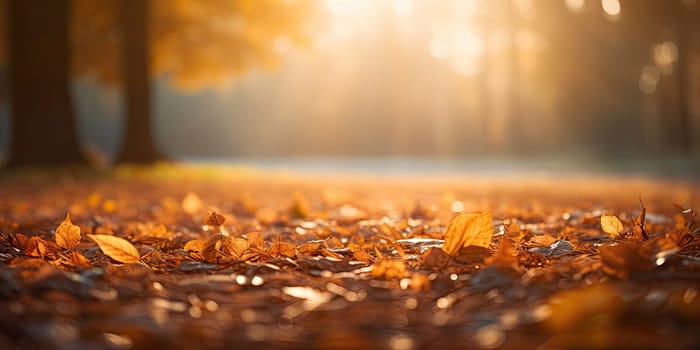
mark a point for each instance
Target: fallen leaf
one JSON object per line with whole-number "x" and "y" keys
{"x": 280, "y": 248}
{"x": 77, "y": 259}
{"x": 195, "y": 245}
{"x": 117, "y": 248}
{"x": 638, "y": 230}
{"x": 234, "y": 246}
{"x": 67, "y": 235}
{"x": 256, "y": 240}
{"x": 611, "y": 225}
{"x": 35, "y": 247}
{"x": 514, "y": 232}
{"x": 468, "y": 229}
{"x": 505, "y": 256}
{"x": 435, "y": 259}
{"x": 159, "y": 231}
{"x": 214, "y": 219}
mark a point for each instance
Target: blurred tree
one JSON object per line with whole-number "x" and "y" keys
{"x": 671, "y": 27}
{"x": 195, "y": 44}
{"x": 43, "y": 130}
{"x": 3, "y": 50}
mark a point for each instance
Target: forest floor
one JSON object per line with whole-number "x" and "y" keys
{"x": 183, "y": 259}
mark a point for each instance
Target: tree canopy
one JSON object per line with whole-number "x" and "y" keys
{"x": 195, "y": 43}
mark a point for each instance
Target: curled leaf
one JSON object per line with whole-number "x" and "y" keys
{"x": 67, "y": 235}
{"x": 611, "y": 225}
{"x": 468, "y": 229}
{"x": 214, "y": 219}
{"x": 117, "y": 248}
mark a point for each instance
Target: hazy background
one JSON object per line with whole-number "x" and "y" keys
{"x": 525, "y": 80}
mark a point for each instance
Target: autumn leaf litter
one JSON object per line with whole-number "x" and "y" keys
{"x": 319, "y": 272}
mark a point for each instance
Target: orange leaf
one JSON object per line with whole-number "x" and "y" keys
{"x": 34, "y": 247}
{"x": 282, "y": 249}
{"x": 67, "y": 235}
{"x": 117, "y": 248}
{"x": 195, "y": 245}
{"x": 256, "y": 240}
{"x": 234, "y": 247}
{"x": 214, "y": 219}
{"x": 468, "y": 229}
{"x": 77, "y": 259}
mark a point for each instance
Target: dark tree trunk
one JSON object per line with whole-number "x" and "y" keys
{"x": 139, "y": 145}
{"x": 685, "y": 130}
{"x": 43, "y": 127}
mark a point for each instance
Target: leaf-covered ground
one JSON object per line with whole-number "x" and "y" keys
{"x": 356, "y": 263}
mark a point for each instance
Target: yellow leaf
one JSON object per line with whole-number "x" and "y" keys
{"x": 117, "y": 248}
{"x": 611, "y": 225}
{"x": 67, "y": 235}
{"x": 468, "y": 229}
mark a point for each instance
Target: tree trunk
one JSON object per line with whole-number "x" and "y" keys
{"x": 43, "y": 127}
{"x": 685, "y": 131}
{"x": 139, "y": 145}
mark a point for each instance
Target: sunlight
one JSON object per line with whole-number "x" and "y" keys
{"x": 611, "y": 7}
{"x": 346, "y": 8}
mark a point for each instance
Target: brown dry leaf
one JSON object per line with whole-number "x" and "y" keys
{"x": 67, "y": 235}
{"x": 611, "y": 225}
{"x": 77, "y": 259}
{"x": 468, "y": 229}
{"x": 472, "y": 255}
{"x": 234, "y": 246}
{"x": 505, "y": 256}
{"x": 543, "y": 240}
{"x": 638, "y": 230}
{"x": 435, "y": 259}
{"x": 117, "y": 248}
{"x": 309, "y": 248}
{"x": 195, "y": 245}
{"x": 35, "y": 247}
{"x": 280, "y": 248}
{"x": 514, "y": 232}
{"x": 256, "y": 240}
{"x": 212, "y": 247}
{"x": 214, "y": 219}
{"x": 160, "y": 231}
{"x": 632, "y": 257}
